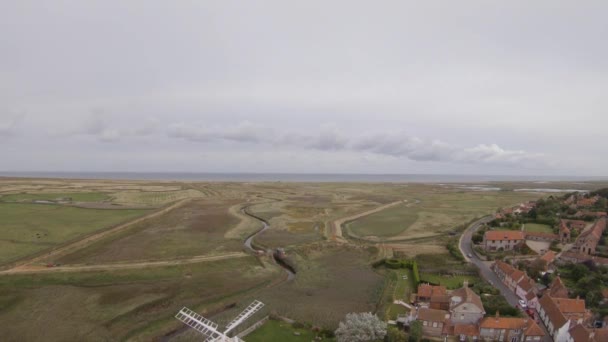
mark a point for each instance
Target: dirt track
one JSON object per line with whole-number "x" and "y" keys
{"x": 336, "y": 226}
{"x": 123, "y": 266}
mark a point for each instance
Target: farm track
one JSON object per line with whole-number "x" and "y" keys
{"x": 87, "y": 241}
{"x": 122, "y": 266}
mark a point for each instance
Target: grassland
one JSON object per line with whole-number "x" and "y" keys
{"x": 281, "y": 331}
{"x": 196, "y": 228}
{"x": 333, "y": 278}
{"x": 331, "y": 282}
{"x": 29, "y": 228}
{"x": 538, "y": 228}
{"x": 153, "y": 198}
{"x": 73, "y": 196}
{"x": 389, "y": 222}
{"x": 119, "y": 305}
{"x": 435, "y": 212}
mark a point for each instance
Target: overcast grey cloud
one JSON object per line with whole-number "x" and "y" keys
{"x": 501, "y": 87}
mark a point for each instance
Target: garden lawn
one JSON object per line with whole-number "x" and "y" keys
{"x": 450, "y": 282}
{"x": 538, "y": 228}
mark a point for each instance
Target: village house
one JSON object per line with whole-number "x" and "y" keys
{"x": 426, "y": 292}
{"x": 509, "y": 329}
{"x": 574, "y": 224}
{"x": 557, "y": 289}
{"x": 540, "y": 236}
{"x": 440, "y": 302}
{"x": 464, "y": 332}
{"x": 547, "y": 260}
{"x": 503, "y": 240}
{"x": 432, "y": 321}
{"x": 561, "y": 314}
{"x": 466, "y": 306}
{"x": 581, "y": 334}
{"x": 517, "y": 281}
{"x": 588, "y": 240}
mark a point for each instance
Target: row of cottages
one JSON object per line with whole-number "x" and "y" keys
{"x": 539, "y": 236}
{"x": 510, "y": 329}
{"x": 518, "y": 282}
{"x": 589, "y": 239}
{"x": 465, "y": 319}
{"x": 503, "y": 240}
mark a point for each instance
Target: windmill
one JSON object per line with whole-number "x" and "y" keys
{"x": 209, "y": 329}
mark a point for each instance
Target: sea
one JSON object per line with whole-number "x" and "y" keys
{"x": 299, "y": 177}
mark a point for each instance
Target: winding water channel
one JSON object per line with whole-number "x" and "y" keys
{"x": 249, "y": 241}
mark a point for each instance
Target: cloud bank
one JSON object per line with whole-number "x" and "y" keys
{"x": 398, "y": 144}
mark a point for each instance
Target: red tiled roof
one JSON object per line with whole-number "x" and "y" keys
{"x": 549, "y": 257}
{"x": 426, "y": 290}
{"x": 557, "y": 289}
{"x": 552, "y": 310}
{"x": 569, "y": 306}
{"x": 543, "y": 235}
{"x": 504, "y": 235}
{"x": 533, "y": 329}
{"x": 601, "y": 335}
{"x": 466, "y": 329}
{"x": 526, "y": 283}
{"x": 580, "y": 334}
{"x": 468, "y": 296}
{"x": 432, "y": 315}
{"x": 511, "y": 323}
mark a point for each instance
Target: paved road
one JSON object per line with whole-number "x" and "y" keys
{"x": 484, "y": 266}
{"x": 466, "y": 248}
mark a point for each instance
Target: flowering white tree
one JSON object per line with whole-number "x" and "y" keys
{"x": 359, "y": 327}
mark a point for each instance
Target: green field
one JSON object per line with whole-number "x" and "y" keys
{"x": 74, "y": 196}
{"x": 389, "y": 222}
{"x": 281, "y": 331}
{"x": 538, "y": 228}
{"x": 29, "y": 228}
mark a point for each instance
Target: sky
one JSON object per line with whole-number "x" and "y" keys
{"x": 441, "y": 87}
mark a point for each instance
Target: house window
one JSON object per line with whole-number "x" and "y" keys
{"x": 425, "y": 323}
{"x": 461, "y": 316}
{"x": 513, "y": 339}
{"x": 434, "y": 324}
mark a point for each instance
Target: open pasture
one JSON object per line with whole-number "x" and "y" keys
{"x": 29, "y": 228}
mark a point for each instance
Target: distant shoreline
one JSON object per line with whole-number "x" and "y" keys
{"x": 299, "y": 177}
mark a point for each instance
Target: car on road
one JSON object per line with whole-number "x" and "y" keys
{"x": 523, "y": 304}
{"x": 470, "y": 255}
